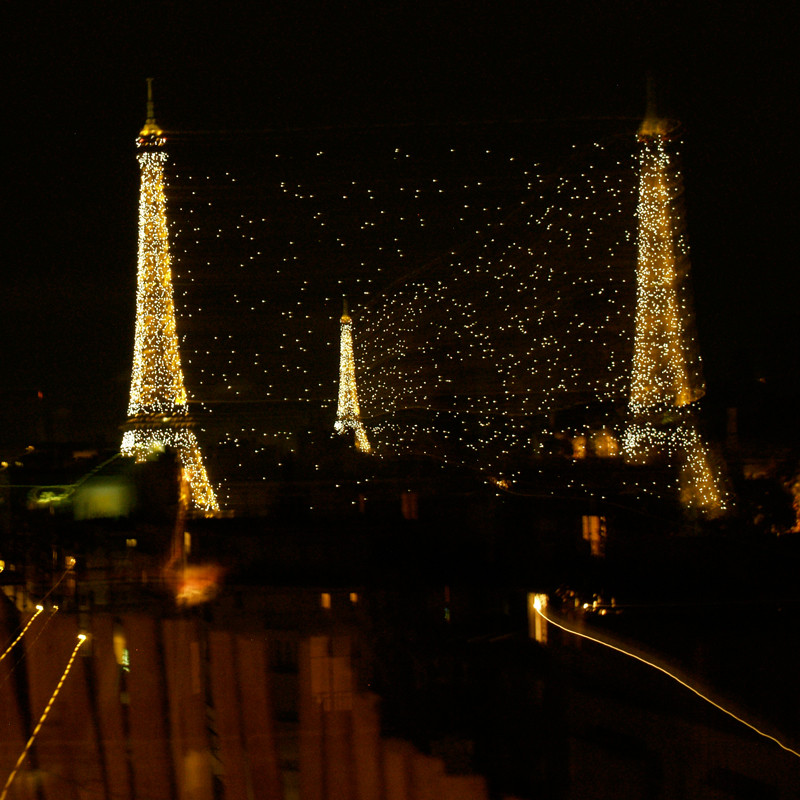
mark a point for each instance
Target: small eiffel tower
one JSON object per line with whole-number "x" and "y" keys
{"x": 348, "y": 414}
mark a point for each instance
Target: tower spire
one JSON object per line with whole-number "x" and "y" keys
{"x": 348, "y": 414}
{"x": 158, "y": 415}
{"x": 653, "y": 124}
{"x": 150, "y": 128}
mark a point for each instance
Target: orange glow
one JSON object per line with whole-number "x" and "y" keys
{"x": 537, "y": 626}
{"x": 604, "y": 444}
{"x": 198, "y": 583}
{"x": 794, "y": 489}
{"x": 594, "y": 532}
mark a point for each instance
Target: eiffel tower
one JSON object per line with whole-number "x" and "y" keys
{"x": 666, "y": 379}
{"x": 348, "y": 414}
{"x": 158, "y": 415}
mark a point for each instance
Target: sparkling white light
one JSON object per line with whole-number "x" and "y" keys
{"x": 496, "y": 295}
{"x": 157, "y": 380}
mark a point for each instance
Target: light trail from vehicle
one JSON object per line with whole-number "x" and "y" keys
{"x": 29, "y": 646}
{"x": 39, "y": 610}
{"x": 70, "y": 567}
{"x": 537, "y": 605}
{"x": 81, "y": 640}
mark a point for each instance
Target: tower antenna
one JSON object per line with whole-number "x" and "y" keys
{"x": 150, "y": 126}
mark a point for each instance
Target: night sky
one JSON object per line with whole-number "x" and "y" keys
{"x": 74, "y": 92}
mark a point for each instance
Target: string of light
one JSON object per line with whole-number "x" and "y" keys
{"x": 45, "y": 713}
{"x": 29, "y": 645}
{"x": 39, "y": 609}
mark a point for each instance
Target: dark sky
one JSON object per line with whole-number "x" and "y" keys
{"x": 74, "y": 92}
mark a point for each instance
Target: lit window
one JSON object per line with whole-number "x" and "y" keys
{"x": 594, "y": 532}
{"x": 120, "y": 645}
{"x": 604, "y": 444}
{"x": 409, "y": 505}
{"x": 537, "y": 624}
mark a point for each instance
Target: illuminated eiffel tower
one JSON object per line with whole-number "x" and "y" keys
{"x": 348, "y": 414}
{"x": 666, "y": 380}
{"x": 158, "y": 415}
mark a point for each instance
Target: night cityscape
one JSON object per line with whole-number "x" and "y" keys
{"x": 399, "y": 403}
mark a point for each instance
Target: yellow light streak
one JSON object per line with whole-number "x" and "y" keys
{"x": 30, "y": 645}
{"x": 70, "y": 567}
{"x": 537, "y": 606}
{"x": 39, "y": 610}
{"x": 81, "y": 640}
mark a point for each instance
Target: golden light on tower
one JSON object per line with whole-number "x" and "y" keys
{"x": 660, "y": 372}
{"x": 665, "y": 380}
{"x": 157, "y": 410}
{"x": 348, "y": 414}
